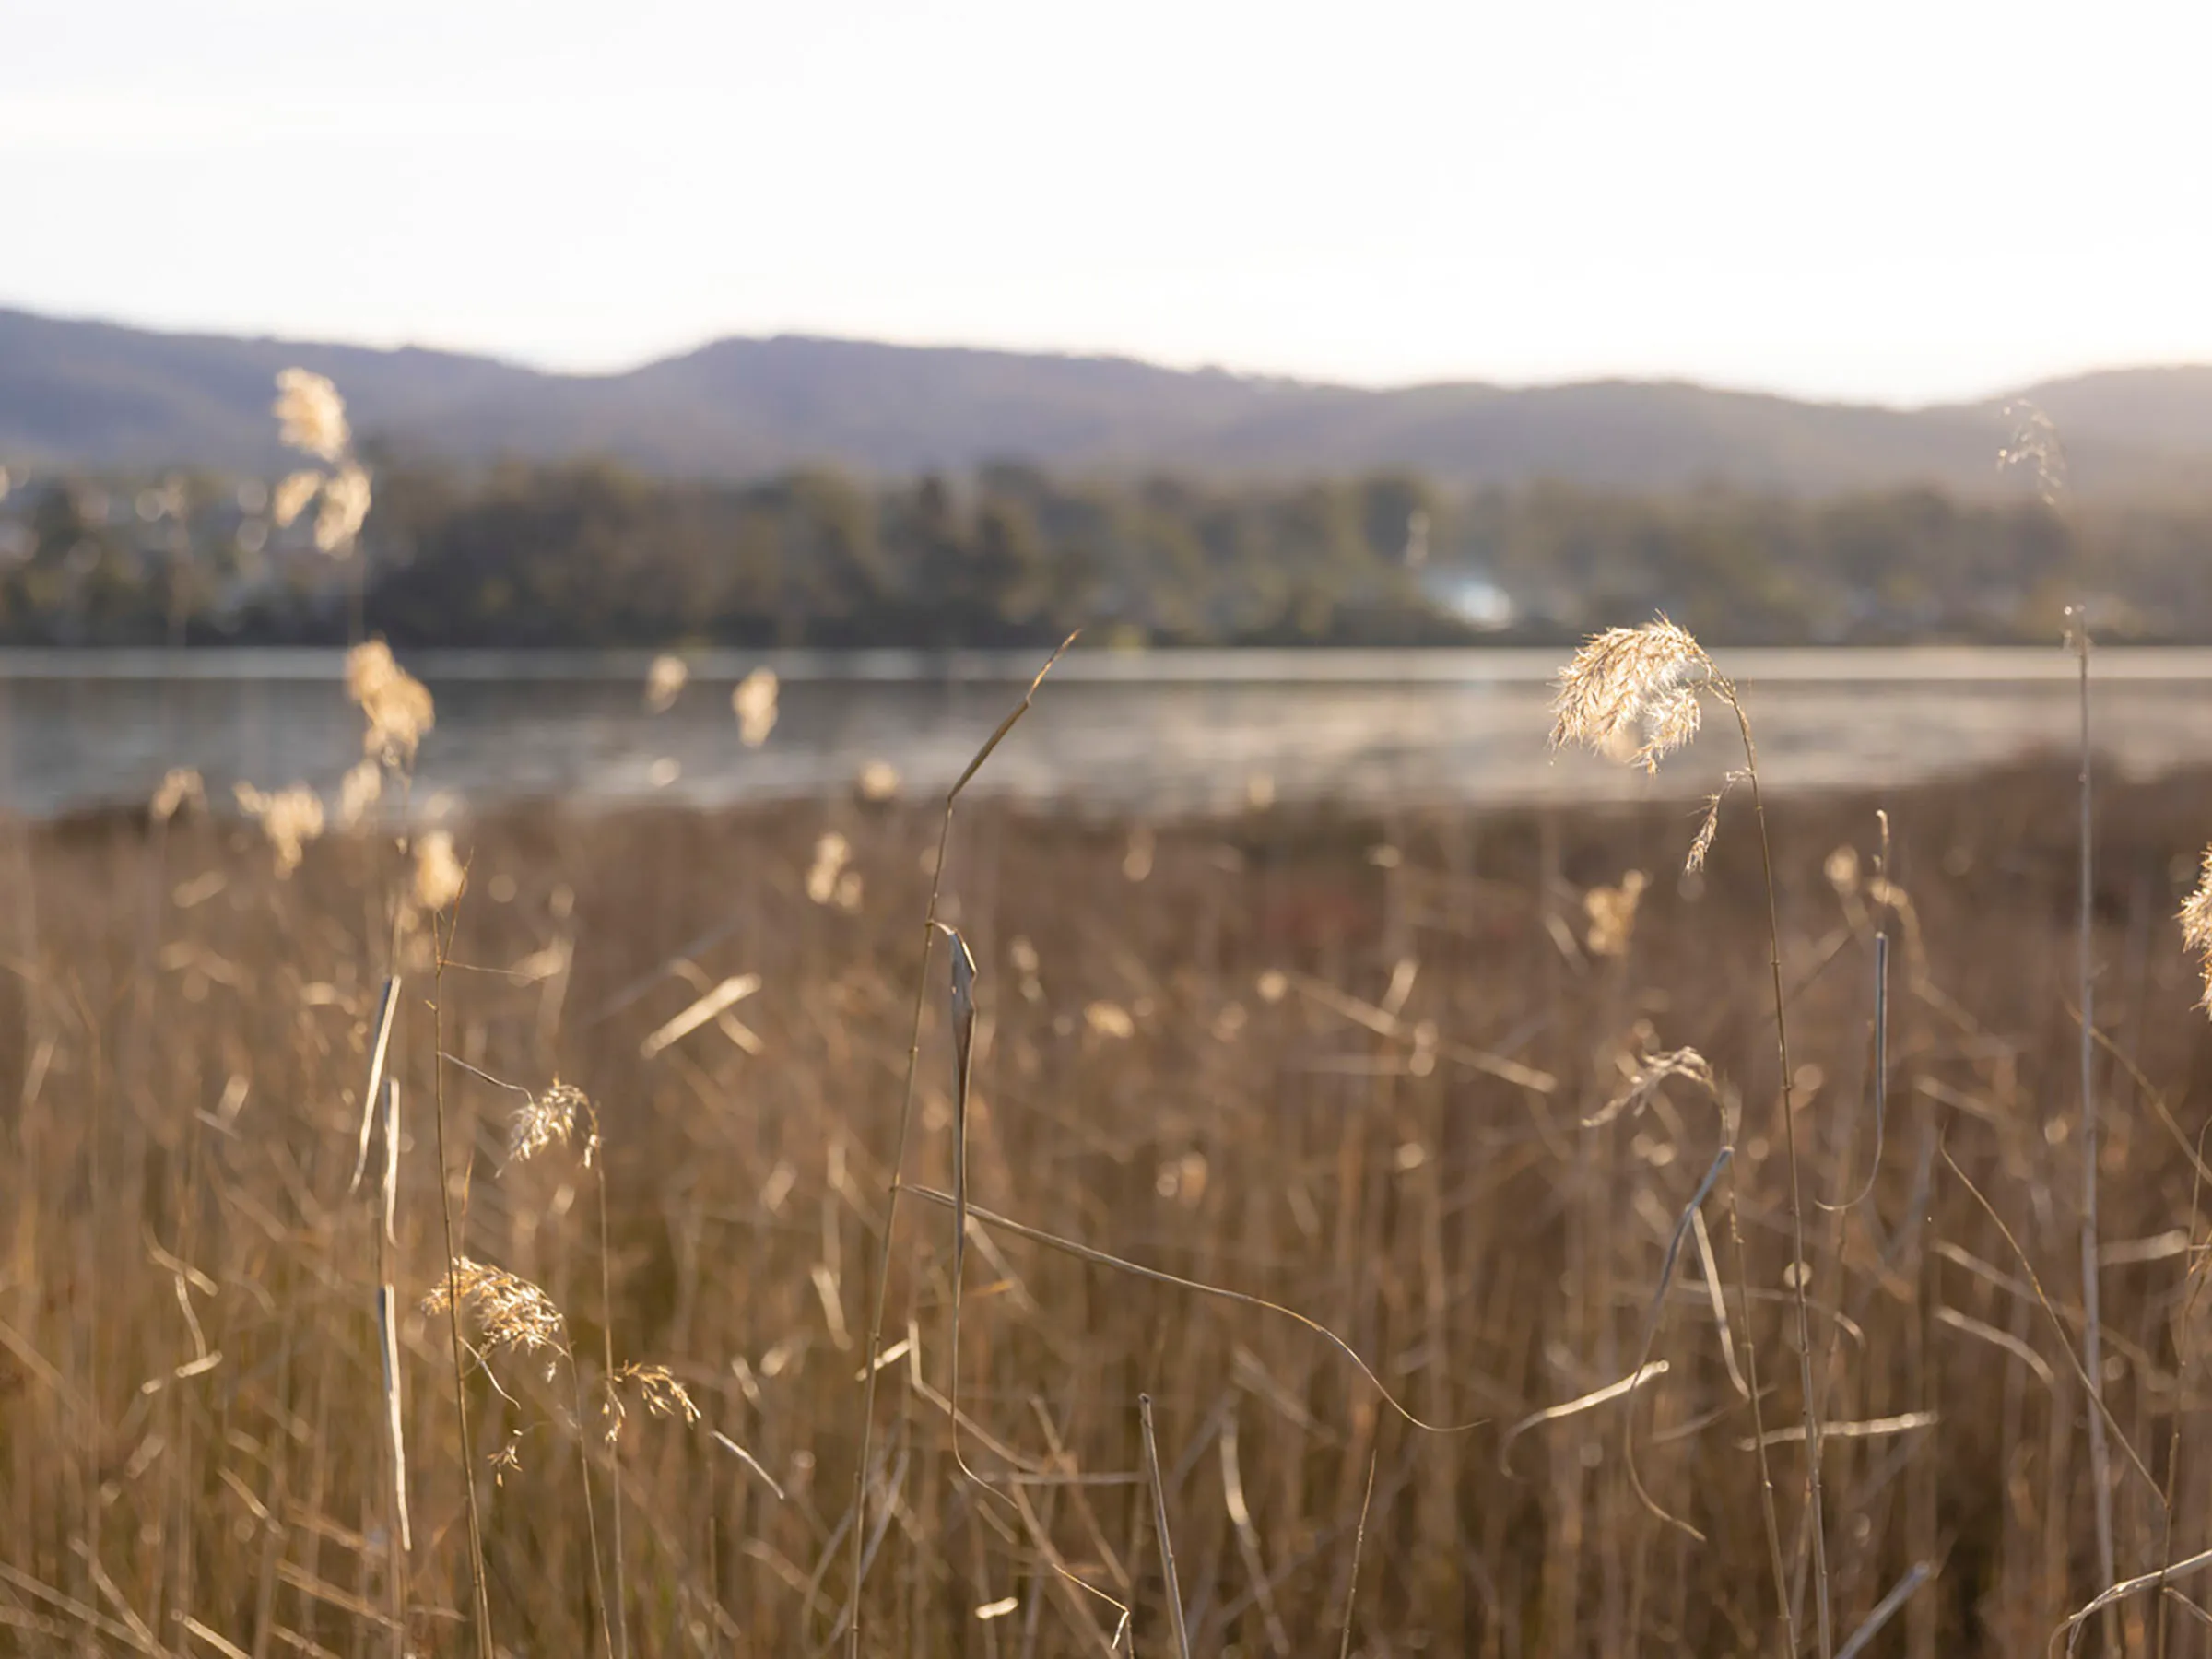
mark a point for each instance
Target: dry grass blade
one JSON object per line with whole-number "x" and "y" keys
{"x": 1385, "y": 1023}
{"x": 2188, "y": 1607}
{"x": 998, "y": 734}
{"x": 1122, "y": 1265}
{"x": 214, "y": 1639}
{"x": 1072, "y": 1587}
{"x": 963, "y": 1055}
{"x": 1248, "y": 1535}
{"x": 1719, "y": 1300}
{"x": 91, "y": 1617}
{"x": 1884, "y": 1610}
{"x": 1589, "y": 1402}
{"x": 2158, "y": 1108}
{"x": 387, "y": 1330}
{"x": 1351, "y": 1594}
{"x": 2071, "y": 1630}
{"x": 1873, "y": 1428}
{"x": 1650, "y": 1331}
{"x": 1879, "y": 1073}
{"x": 142, "y": 1634}
{"x": 377, "y": 1048}
{"x": 750, "y": 1462}
{"x": 390, "y": 1160}
{"x": 2058, "y": 1324}
{"x": 898, "y": 1166}
{"x": 1173, "y": 1589}
{"x": 1969, "y": 1326}
{"x": 720, "y": 1000}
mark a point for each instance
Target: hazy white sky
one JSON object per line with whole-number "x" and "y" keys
{"x": 1896, "y": 201}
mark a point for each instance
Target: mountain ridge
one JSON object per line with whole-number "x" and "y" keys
{"x": 91, "y": 394}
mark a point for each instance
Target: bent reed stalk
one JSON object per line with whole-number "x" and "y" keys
{"x": 872, "y": 1366}
{"x": 1635, "y": 693}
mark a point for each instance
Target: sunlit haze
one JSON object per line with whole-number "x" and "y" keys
{"x": 1898, "y": 203}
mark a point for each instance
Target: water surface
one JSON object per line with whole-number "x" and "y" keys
{"x": 1156, "y": 732}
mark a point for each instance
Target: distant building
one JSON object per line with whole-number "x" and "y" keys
{"x": 1469, "y": 595}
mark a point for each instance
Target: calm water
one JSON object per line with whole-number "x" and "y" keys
{"x": 1159, "y": 732}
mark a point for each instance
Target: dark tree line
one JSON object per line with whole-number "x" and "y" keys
{"x": 590, "y": 554}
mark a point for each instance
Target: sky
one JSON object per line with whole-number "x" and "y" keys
{"x": 1880, "y": 201}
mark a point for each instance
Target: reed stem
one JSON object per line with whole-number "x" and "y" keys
{"x": 479, "y": 1599}
{"x": 1800, "y": 1269}
{"x": 2092, "y": 1359}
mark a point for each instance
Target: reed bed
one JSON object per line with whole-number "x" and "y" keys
{"x": 1393, "y": 1073}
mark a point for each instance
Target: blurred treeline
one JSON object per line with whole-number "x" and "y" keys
{"x": 592, "y": 554}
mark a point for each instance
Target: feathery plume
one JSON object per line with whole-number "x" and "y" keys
{"x": 2196, "y": 925}
{"x": 181, "y": 787}
{"x": 1612, "y": 912}
{"x": 397, "y": 705}
{"x": 662, "y": 1395}
{"x": 358, "y": 789}
{"x": 310, "y": 414}
{"x": 344, "y": 510}
{"x": 831, "y": 854}
{"x": 292, "y": 494}
{"x": 291, "y": 818}
{"x": 439, "y": 876}
{"x": 1633, "y": 686}
{"x": 878, "y": 780}
{"x": 1684, "y": 1063}
{"x": 664, "y": 681}
{"x": 1702, "y": 842}
{"x": 753, "y": 702}
{"x": 511, "y": 1312}
{"x": 549, "y": 1119}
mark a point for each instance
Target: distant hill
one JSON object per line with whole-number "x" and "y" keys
{"x": 101, "y": 395}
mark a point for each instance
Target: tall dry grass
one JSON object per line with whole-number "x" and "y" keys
{"x": 1345, "y": 1063}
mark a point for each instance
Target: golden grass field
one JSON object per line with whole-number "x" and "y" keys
{"x": 1339, "y": 1061}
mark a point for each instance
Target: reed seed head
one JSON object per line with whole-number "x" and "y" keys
{"x": 397, "y": 705}
{"x": 1612, "y": 912}
{"x": 1632, "y": 693}
{"x": 832, "y": 852}
{"x": 311, "y": 416}
{"x": 291, "y": 818}
{"x": 1701, "y": 843}
{"x": 754, "y": 703}
{"x": 439, "y": 876}
{"x": 361, "y": 788}
{"x": 879, "y": 782}
{"x": 1654, "y": 1070}
{"x": 664, "y": 681}
{"x": 661, "y": 1393}
{"x": 511, "y": 1312}
{"x": 547, "y": 1119}
{"x": 2196, "y": 925}
{"x": 344, "y": 509}
{"x": 292, "y": 494}
{"x": 181, "y": 787}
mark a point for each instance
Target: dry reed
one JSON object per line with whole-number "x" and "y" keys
{"x": 1425, "y": 1216}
